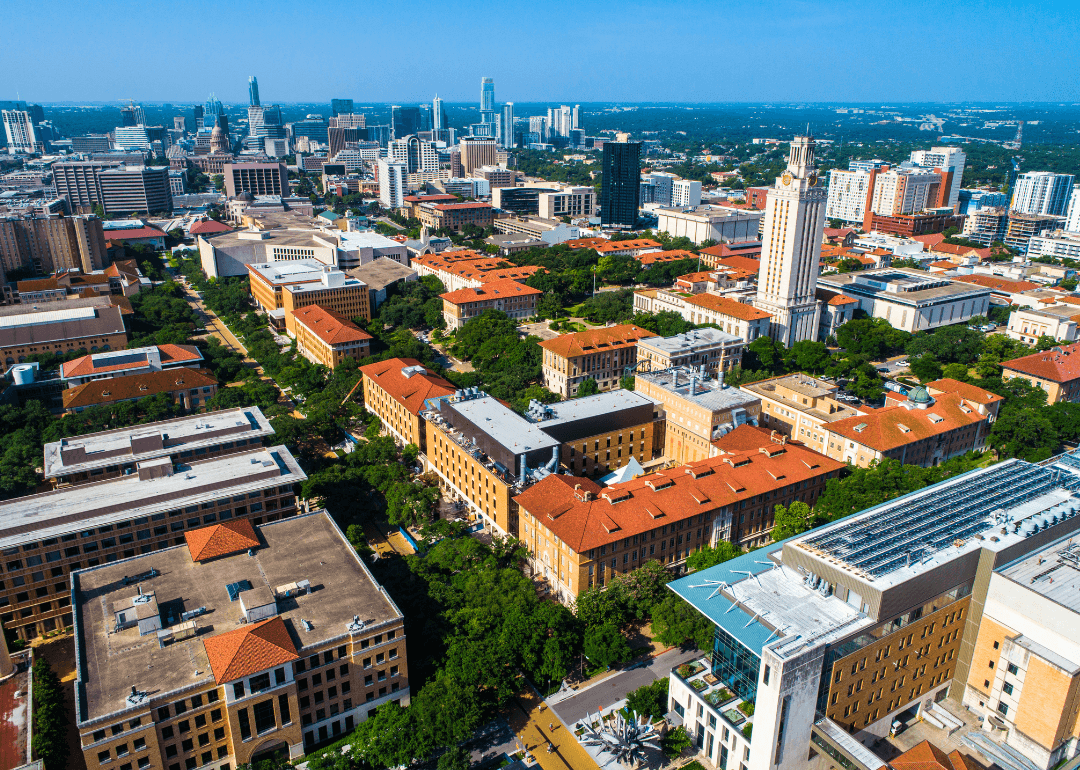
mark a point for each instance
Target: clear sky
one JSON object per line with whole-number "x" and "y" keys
{"x": 542, "y": 50}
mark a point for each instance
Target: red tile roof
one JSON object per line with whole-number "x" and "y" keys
{"x": 456, "y": 206}
{"x": 943, "y": 263}
{"x": 585, "y": 243}
{"x": 134, "y": 386}
{"x": 998, "y": 284}
{"x": 895, "y": 426}
{"x": 500, "y": 289}
{"x": 596, "y": 340}
{"x": 1060, "y": 364}
{"x": 332, "y": 328}
{"x": 134, "y": 234}
{"x": 959, "y": 251}
{"x": 510, "y": 273}
{"x": 728, "y": 307}
{"x": 410, "y": 392}
{"x": 932, "y": 239}
{"x": 665, "y": 256}
{"x": 966, "y": 389}
{"x": 747, "y": 264}
{"x": 170, "y": 355}
{"x": 208, "y": 226}
{"x": 250, "y": 649}
{"x": 221, "y": 539}
{"x": 647, "y": 502}
{"x": 726, "y": 250}
{"x": 927, "y": 756}
{"x": 627, "y": 245}
{"x": 704, "y": 275}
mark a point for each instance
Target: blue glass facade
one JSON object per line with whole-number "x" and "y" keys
{"x": 735, "y": 665}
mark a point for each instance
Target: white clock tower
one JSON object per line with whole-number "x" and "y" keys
{"x": 791, "y": 248}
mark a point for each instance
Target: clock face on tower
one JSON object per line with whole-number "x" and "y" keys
{"x": 786, "y": 179}
{"x": 812, "y": 180}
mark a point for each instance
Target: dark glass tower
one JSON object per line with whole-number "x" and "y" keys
{"x": 253, "y": 91}
{"x": 620, "y": 188}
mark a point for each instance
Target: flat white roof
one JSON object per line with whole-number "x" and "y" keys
{"x": 42, "y": 317}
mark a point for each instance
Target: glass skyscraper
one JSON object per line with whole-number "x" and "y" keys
{"x": 620, "y": 187}
{"x": 487, "y": 100}
{"x": 253, "y": 91}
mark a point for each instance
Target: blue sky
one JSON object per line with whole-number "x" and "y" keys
{"x": 541, "y": 50}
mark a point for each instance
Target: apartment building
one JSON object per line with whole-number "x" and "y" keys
{"x": 697, "y": 410}
{"x": 319, "y": 645}
{"x": 508, "y": 296}
{"x": 53, "y": 243}
{"x": 87, "y": 327}
{"x": 190, "y": 389}
{"x": 256, "y": 178}
{"x": 1021, "y": 228}
{"x": 454, "y": 216}
{"x": 847, "y": 195}
{"x": 325, "y": 337}
{"x": 733, "y": 317}
{"x": 1055, "y": 371}
{"x": 710, "y": 348}
{"x": 120, "y": 363}
{"x": 580, "y": 534}
{"x": 396, "y": 390}
{"x": 570, "y": 202}
{"x": 604, "y": 355}
{"x": 108, "y": 454}
{"x": 85, "y": 525}
{"x": 830, "y": 636}
{"x": 484, "y": 453}
{"x": 1042, "y": 192}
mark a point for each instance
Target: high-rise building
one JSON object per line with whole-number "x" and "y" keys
{"x": 538, "y": 124}
{"x": 197, "y": 113}
{"x": 1042, "y": 192}
{"x": 53, "y": 243}
{"x": 253, "y": 91}
{"x": 620, "y": 189}
{"x": 417, "y": 154}
{"x": 131, "y": 138}
{"x": 438, "y": 114}
{"x": 848, "y": 191}
{"x": 686, "y": 192}
{"x": 136, "y": 190}
{"x": 37, "y": 114}
{"x": 213, "y": 108}
{"x": 19, "y": 129}
{"x": 793, "y": 229}
{"x": 391, "y": 182}
{"x": 478, "y": 151}
{"x": 341, "y": 106}
{"x": 127, "y": 116}
{"x": 179, "y": 123}
{"x": 256, "y": 178}
{"x": 487, "y": 100}
{"x": 507, "y": 125}
{"x": 1072, "y": 213}
{"x": 949, "y": 159}
{"x": 575, "y": 121}
{"x": 405, "y": 121}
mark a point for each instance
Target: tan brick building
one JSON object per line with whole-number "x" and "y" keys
{"x": 454, "y": 216}
{"x": 710, "y": 348}
{"x": 327, "y": 338}
{"x": 602, "y": 354}
{"x": 580, "y": 534}
{"x": 395, "y": 391}
{"x": 1056, "y": 371}
{"x": 190, "y": 389}
{"x": 508, "y": 296}
{"x": 59, "y": 329}
{"x": 311, "y": 646}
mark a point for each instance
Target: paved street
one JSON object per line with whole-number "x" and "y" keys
{"x": 615, "y": 688}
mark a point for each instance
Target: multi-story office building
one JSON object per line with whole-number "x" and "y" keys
{"x": 580, "y": 534}
{"x": 1042, "y": 193}
{"x": 1059, "y": 244}
{"x": 496, "y": 176}
{"x": 52, "y": 244}
{"x": 656, "y": 187}
{"x": 454, "y": 216}
{"x": 110, "y": 454}
{"x": 418, "y": 155}
{"x": 256, "y": 178}
{"x": 108, "y": 364}
{"x": 189, "y": 389}
{"x": 1055, "y": 371}
{"x": 910, "y": 299}
{"x": 570, "y": 202}
{"x": 131, "y": 138}
{"x": 698, "y": 410}
{"x": 396, "y": 390}
{"x": 477, "y": 151}
{"x": 319, "y": 647}
{"x": 91, "y": 143}
{"x": 620, "y": 187}
{"x": 1021, "y": 228}
{"x": 950, "y": 160}
{"x": 391, "y": 182}
{"x": 686, "y": 192}
{"x": 976, "y": 200}
{"x": 405, "y": 121}
{"x": 82, "y": 526}
{"x": 281, "y": 288}
{"x": 484, "y": 453}
{"x": 136, "y": 189}
{"x": 710, "y": 348}
{"x": 829, "y": 636}
{"x": 35, "y": 331}
{"x": 325, "y": 337}
{"x": 339, "y": 106}
{"x": 515, "y": 299}
{"x": 19, "y": 129}
{"x": 603, "y": 355}
{"x": 710, "y": 223}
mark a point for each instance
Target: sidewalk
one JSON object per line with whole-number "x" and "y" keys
{"x": 536, "y": 725}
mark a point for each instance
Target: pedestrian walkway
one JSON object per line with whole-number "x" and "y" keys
{"x": 537, "y": 726}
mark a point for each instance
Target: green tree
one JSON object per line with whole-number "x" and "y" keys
{"x": 1064, "y": 416}
{"x": 1045, "y": 342}
{"x": 605, "y": 646}
{"x": 955, "y": 372}
{"x": 807, "y": 356}
{"x": 1026, "y": 434}
{"x": 588, "y": 387}
{"x": 675, "y": 742}
{"x": 926, "y": 367}
{"x": 710, "y": 556}
{"x": 455, "y": 758}
{"x": 650, "y": 700}
{"x": 791, "y": 521}
{"x": 50, "y": 718}
{"x": 219, "y": 182}
{"x": 766, "y": 354}
{"x": 873, "y": 338}
{"x": 676, "y": 623}
{"x": 627, "y": 382}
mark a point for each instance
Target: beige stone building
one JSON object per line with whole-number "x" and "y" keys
{"x": 710, "y": 348}
{"x": 395, "y": 391}
{"x": 327, "y": 338}
{"x": 1057, "y": 371}
{"x": 508, "y": 296}
{"x": 603, "y": 354}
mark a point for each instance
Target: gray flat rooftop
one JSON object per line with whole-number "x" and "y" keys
{"x": 381, "y": 272}
{"x": 82, "y": 507}
{"x": 898, "y": 285}
{"x": 112, "y": 447}
{"x": 290, "y": 272}
{"x": 804, "y": 385}
{"x": 686, "y": 342}
{"x": 68, "y": 302}
{"x": 366, "y": 239}
{"x": 709, "y": 394}
{"x": 612, "y": 401}
{"x": 504, "y": 425}
{"x": 298, "y": 548}
{"x": 1053, "y": 572}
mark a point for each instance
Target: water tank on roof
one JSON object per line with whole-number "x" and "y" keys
{"x": 23, "y": 374}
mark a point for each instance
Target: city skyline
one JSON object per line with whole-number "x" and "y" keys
{"x": 1031, "y": 64}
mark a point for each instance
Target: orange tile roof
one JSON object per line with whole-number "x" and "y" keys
{"x": 332, "y": 328}
{"x": 132, "y": 386}
{"x": 998, "y": 284}
{"x": 966, "y": 389}
{"x": 510, "y": 273}
{"x": 585, "y": 243}
{"x": 704, "y": 275}
{"x": 838, "y": 232}
{"x": 249, "y": 649}
{"x": 665, "y": 256}
{"x": 410, "y": 392}
{"x": 933, "y": 239}
{"x": 596, "y": 340}
{"x": 628, "y": 245}
{"x": 170, "y": 354}
{"x": 881, "y": 429}
{"x": 647, "y": 502}
{"x": 943, "y": 263}
{"x": 725, "y": 249}
{"x": 959, "y": 251}
{"x": 835, "y": 298}
{"x": 727, "y": 306}
{"x": 208, "y": 226}
{"x": 927, "y": 756}
{"x": 221, "y": 539}
{"x": 493, "y": 290}
{"x": 749, "y": 264}
{"x": 1060, "y": 364}
{"x": 148, "y": 231}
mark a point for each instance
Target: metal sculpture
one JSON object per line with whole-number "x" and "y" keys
{"x": 625, "y": 739}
